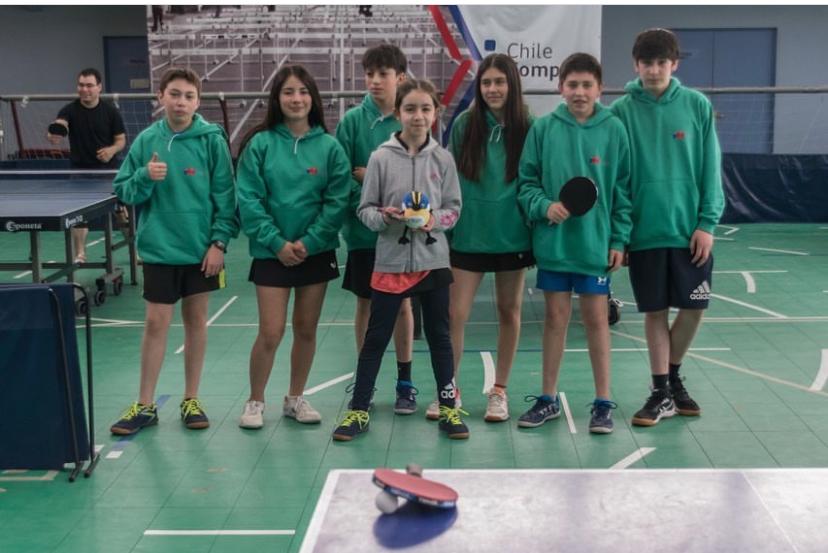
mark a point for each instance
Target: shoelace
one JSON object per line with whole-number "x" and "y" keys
{"x": 359, "y": 417}
{"x": 602, "y": 407}
{"x": 451, "y": 414}
{"x": 191, "y": 407}
{"x": 132, "y": 411}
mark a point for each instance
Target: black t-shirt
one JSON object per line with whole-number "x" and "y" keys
{"x": 91, "y": 129}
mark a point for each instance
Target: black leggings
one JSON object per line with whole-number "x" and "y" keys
{"x": 384, "y": 309}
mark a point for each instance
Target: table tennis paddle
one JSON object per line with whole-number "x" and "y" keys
{"x": 415, "y": 488}
{"x": 578, "y": 195}
{"x": 57, "y": 129}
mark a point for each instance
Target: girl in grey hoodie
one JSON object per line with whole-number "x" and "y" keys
{"x": 411, "y": 161}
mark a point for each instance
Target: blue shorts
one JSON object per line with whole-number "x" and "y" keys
{"x": 553, "y": 281}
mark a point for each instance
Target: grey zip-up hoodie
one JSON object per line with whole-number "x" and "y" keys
{"x": 391, "y": 173}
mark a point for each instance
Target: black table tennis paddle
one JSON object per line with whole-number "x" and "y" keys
{"x": 578, "y": 195}
{"x": 58, "y": 129}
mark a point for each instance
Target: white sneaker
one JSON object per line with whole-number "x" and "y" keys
{"x": 433, "y": 411}
{"x": 252, "y": 417}
{"x": 297, "y": 407}
{"x": 497, "y": 409}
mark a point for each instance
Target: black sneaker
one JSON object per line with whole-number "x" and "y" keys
{"x": 406, "y": 402}
{"x": 451, "y": 424}
{"x": 353, "y": 423}
{"x": 542, "y": 411}
{"x": 659, "y": 405}
{"x": 193, "y": 415}
{"x": 349, "y": 389}
{"x": 684, "y": 403}
{"x": 601, "y": 420}
{"x": 136, "y": 417}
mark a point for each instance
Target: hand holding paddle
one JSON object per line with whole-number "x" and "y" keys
{"x": 576, "y": 197}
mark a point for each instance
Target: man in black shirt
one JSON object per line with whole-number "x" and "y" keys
{"x": 96, "y": 135}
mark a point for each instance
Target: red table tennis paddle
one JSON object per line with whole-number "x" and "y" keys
{"x": 578, "y": 195}
{"x": 414, "y": 488}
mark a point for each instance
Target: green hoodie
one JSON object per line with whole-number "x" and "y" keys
{"x": 361, "y": 131}
{"x": 292, "y": 189}
{"x": 557, "y": 149}
{"x": 489, "y": 200}
{"x": 194, "y": 205}
{"x": 676, "y": 184}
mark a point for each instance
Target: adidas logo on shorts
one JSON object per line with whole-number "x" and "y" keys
{"x": 702, "y": 292}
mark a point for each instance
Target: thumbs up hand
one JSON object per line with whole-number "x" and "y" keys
{"x": 157, "y": 169}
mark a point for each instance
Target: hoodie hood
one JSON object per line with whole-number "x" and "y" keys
{"x": 636, "y": 90}
{"x": 283, "y": 132}
{"x": 199, "y": 127}
{"x": 601, "y": 114}
{"x": 371, "y": 107}
{"x": 393, "y": 144}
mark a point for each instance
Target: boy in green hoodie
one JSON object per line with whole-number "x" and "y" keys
{"x": 180, "y": 171}
{"x": 361, "y": 131}
{"x": 580, "y": 138}
{"x": 677, "y": 190}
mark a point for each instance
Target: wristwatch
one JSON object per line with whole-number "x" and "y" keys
{"x": 220, "y": 245}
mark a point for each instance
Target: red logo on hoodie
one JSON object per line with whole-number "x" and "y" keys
{"x": 595, "y": 160}
{"x": 190, "y": 172}
{"x": 678, "y": 135}
{"x": 312, "y": 170}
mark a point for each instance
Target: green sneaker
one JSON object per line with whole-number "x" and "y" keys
{"x": 136, "y": 417}
{"x": 353, "y": 423}
{"x": 193, "y": 415}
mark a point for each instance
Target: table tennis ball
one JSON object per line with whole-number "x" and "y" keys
{"x": 386, "y": 502}
{"x": 416, "y": 209}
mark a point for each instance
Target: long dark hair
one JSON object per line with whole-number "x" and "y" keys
{"x": 515, "y": 120}
{"x": 274, "y": 116}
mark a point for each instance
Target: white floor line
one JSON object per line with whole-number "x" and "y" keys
{"x": 632, "y": 458}
{"x": 99, "y": 448}
{"x": 733, "y": 367}
{"x": 749, "y": 306}
{"x": 114, "y": 455}
{"x": 219, "y": 532}
{"x": 567, "y": 413}
{"x": 749, "y": 282}
{"x": 732, "y": 229}
{"x": 636, "y": 350}
{"x": 725, "y": 239}
{"x": 763, "y": 271}
{"x": 315, "y": 524}
{"x": 213, "y": 318}
{"x": 488, "y": 371}
{"x": 329, "y": 383}
{"x": 21, "y": 275}
{"x": 95, "y": 242}
{"x": 530, "y": 291}
{"x": 792, "y": 252}
{"x": 48, "y": 477}
{"x": 822, "y": 375}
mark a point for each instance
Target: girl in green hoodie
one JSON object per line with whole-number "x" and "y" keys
{"x": 293, "y": 186}
{"x": 491, "y": 235}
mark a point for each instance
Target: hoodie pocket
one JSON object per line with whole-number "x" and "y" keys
{"x": 174, "y": 237}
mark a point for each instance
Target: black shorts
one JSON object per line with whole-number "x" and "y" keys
{"x": 491, "y": 262}
{"x": 358, "y": 270}
{"x": 170, "y": 283}
{"x": 665, "y": 277}
{"x": 317, "y": 268}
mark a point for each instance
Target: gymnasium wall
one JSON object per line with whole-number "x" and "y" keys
{"x": 42, "y": 48}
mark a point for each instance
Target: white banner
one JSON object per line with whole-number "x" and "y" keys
{"x": 538, "y": 38}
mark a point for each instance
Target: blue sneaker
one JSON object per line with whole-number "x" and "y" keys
{"x": 601, "y": 420}
{"x": 544, "y": 409}
{"x": 406, "y": 402}
{"x": 136, "y": 417}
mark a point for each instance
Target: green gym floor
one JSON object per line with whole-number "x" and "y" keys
{"x": 757, "y": 367}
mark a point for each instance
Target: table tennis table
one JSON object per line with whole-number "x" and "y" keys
{"x": 612, "y": 511}
{"x": 38, "y": 202}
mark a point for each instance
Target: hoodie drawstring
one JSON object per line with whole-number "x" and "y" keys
{"x": 169, "y": 144}
{"x": 377, "y": 121}
{"x": 499, "y": 129}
